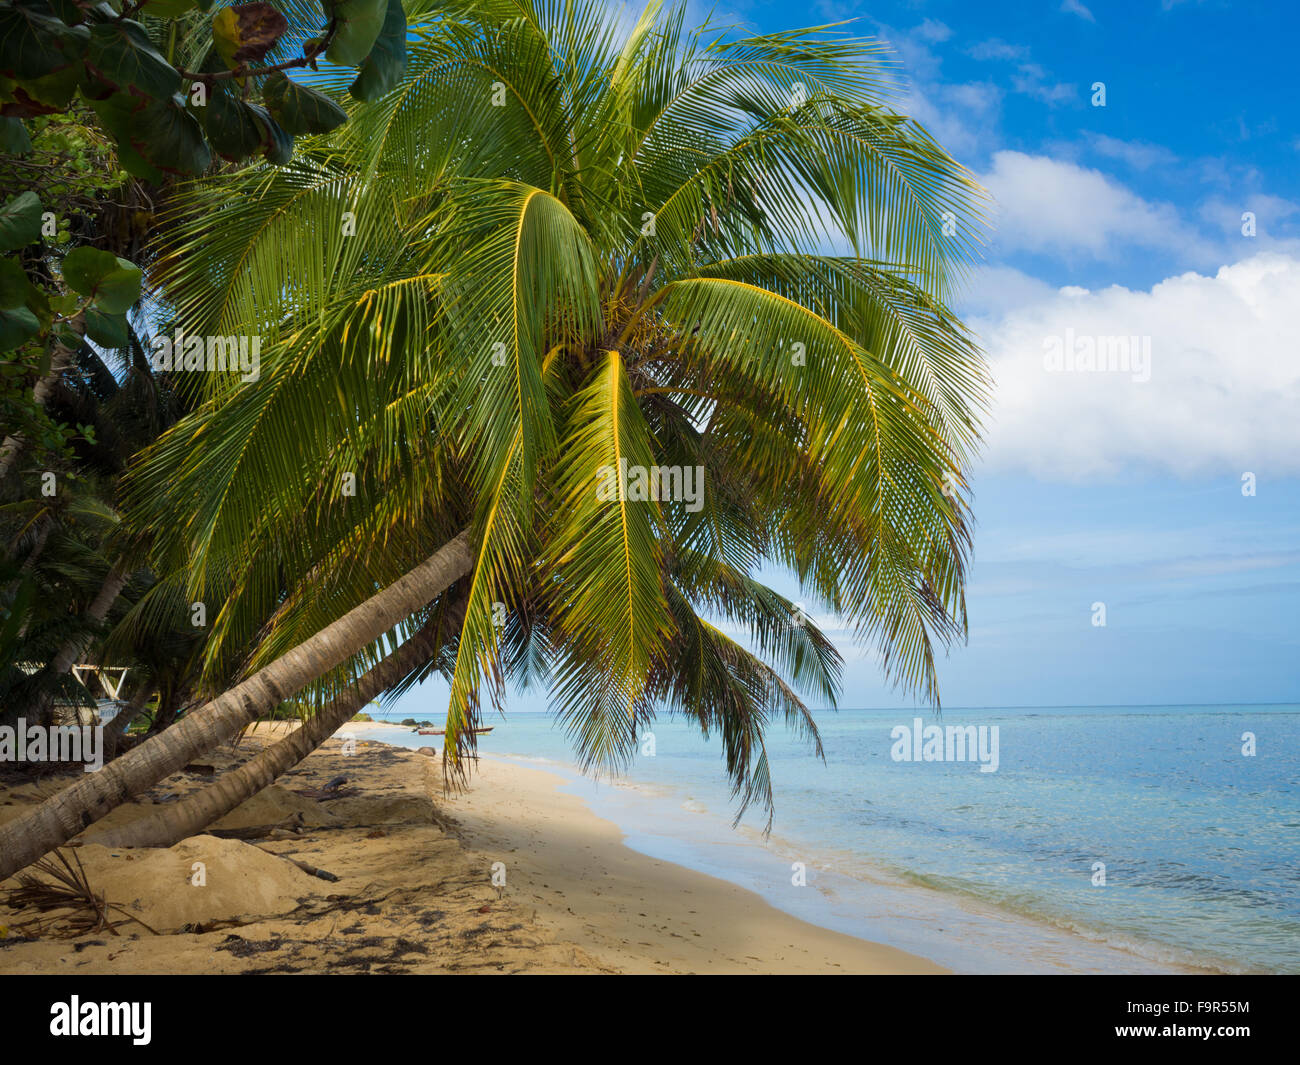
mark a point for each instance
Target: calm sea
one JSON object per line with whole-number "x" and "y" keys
{"x": 1110, "y": 839}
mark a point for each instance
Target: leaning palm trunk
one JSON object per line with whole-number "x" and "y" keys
{"x": 165, "y": 825}
{"x": 71, "y": 811}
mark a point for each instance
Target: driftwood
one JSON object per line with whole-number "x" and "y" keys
{"x": 290, "y": 826}
{"x": 311, "y": 870}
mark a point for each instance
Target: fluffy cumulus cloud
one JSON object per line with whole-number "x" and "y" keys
{"x": 1198, "y": 376}
{"x": 1047, "y": 205}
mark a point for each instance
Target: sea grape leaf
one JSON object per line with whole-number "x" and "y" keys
{"x": 13, "y": 284}
{"x": 33, "y": 44}
{"x": 232, "y": 127}
{"x": 246, "y": 32}
{"x": 383, "y": 68}
{"x": 14, "y": 139}
{"x": 298, "y": 109}
{"x": 56, "y": 89}
{"x": 122, "y": 56}
{"x": 277, "y": 144}
{"x": 359, "y": 23}
{"x": 17, "y": 325}
{"x": 68, "y": 11}
{"x": 108, "y": 330}
{"x": 114, "y": 114}
{"x": 167, "y": 137}
{"x": 112, "y": 284}
{"x": 20, "y": 221}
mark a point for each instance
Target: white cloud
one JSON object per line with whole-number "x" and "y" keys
{"x": 1073, "y": 7}
{"x": 996, "y": 48}
{"x": 1137, "y": 154}
{"x": 933, "y": 30}
{"x": 1271, "y": 214}
{"x": 1047, "y": 205}
{"x": 1031, "y": 80}
{"x": 997, "y": 289}
{"x": 1223, "y": 390}
{"x": 963, "y": 117}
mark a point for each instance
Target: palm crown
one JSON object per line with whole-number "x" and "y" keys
{"x": 560, "y": 251}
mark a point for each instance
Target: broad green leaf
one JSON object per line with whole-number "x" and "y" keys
{"x": 13, "y": 137}
{"x": 122, "y": 56}
{"x": 17, "y": 326}
{"x": 359, "y": 23}
{"x": 55, "y": 90}
{"x": 112, "y": 284}
{"x": 13, "y": 284}
{"x": 68, "y": 11}
{"x": 278, "y": 145}
{"x": 65, "y": 303}
{"x": 383, "y": 68}
{"x": 169, "y": 138}
{"x": 232, "y": 127}
{"x": 246, "y": 32}
{"x": 299, "y": 109}
{"x": 115, "y": 114}
{"x": 33, "y": 44}
{"x": 108, "y": 330}
{"x": 20, "y": 221}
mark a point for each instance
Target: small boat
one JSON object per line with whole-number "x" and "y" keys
{"x": 443, "y": 731}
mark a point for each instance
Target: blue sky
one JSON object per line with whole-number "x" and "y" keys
{"x": 1116, "y": 221}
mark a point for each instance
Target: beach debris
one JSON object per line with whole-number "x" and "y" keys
{"x": 333, "y": 789}
{"x": 242, "y": 948}
{"x": 311, "y": 870}
{"x": 286, "y": 829}
{"x": 71, "y": 907}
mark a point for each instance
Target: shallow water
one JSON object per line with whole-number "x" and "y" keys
{"x": 994, "y": 871}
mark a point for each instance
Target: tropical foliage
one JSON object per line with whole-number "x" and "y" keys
{"x": 170, "y": 79}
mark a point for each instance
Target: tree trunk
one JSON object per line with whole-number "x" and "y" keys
{"x": 165, "y": 825}
{"x": 73, "y": 649}
{"x": 69, "y": 812}
{"x": 116, "y": 729}
{"x": 61, "y": 358}
{"x": 170, "y": 699}
{"x": 29, "y": 563}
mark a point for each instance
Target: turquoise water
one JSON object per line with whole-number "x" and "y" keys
{"x": 995, "y": 871}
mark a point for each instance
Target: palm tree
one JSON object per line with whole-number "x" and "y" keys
{"x": 558, "y": 254}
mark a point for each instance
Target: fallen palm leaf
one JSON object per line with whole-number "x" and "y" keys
{"x": 70, "y": 903}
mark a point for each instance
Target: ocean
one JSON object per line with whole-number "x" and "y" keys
{"x": 1109, "y": 839}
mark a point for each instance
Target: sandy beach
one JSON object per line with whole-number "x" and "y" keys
{"x": 414, "y": 887}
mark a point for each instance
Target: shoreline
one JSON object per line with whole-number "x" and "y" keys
{"x": 412, "y": 885}
{"x": 950, "y": 930}
{"x": 643, "y": 914}
{"x": 959, "y": 933}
